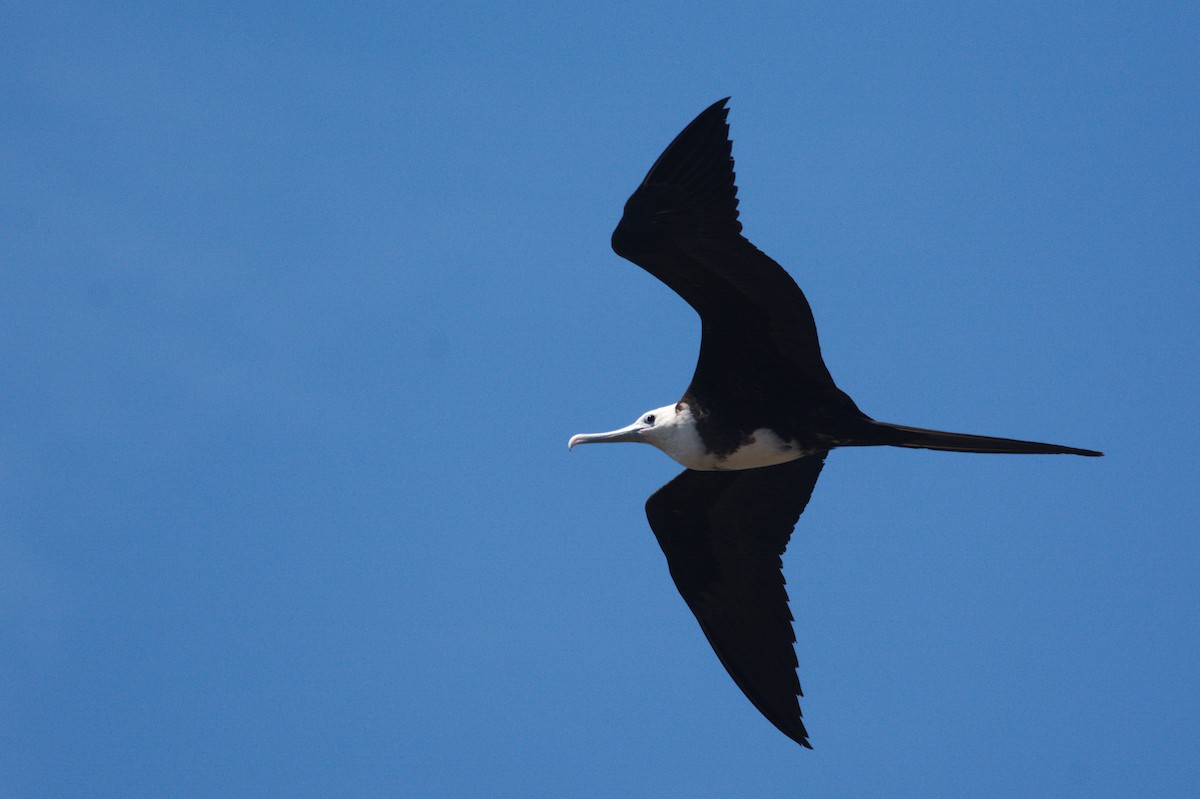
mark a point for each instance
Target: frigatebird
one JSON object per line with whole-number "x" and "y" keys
{"x": 756, "y": 422}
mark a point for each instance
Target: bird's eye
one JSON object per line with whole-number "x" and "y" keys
{"x": 649, "y": 418}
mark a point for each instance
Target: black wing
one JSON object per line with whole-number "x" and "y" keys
{"x": 723, "y": 534}
{"x": 681, "y": 225}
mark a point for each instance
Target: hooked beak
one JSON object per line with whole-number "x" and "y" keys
{"x": 631, "y": 433}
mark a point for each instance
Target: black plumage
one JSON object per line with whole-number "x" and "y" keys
{"x": 759, "y": 368}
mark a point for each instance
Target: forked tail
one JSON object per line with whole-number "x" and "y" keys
{"x": 897, "y": 435}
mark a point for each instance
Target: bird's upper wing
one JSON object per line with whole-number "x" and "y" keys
{"x": 681, "y": 225}
{"x": 723, "y": 534}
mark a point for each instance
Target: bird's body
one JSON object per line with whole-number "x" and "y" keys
{"x": 756, "y": 422}
{"x": 675, "y": 430}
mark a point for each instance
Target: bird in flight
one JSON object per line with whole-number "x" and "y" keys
{"x": 755, "y": 424}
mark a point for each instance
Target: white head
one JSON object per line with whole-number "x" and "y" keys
{"x": 671, "y": 428}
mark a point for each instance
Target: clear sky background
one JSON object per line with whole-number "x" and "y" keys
{"x": 300, "y": 303}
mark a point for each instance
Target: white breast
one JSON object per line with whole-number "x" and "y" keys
{"x": 681, "y": 441}
{"x": 764, "y": 449}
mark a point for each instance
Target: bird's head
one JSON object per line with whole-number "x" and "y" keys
{"x": 671, "y": 428}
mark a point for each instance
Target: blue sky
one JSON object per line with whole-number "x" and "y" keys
{"x": 299, "y": 305}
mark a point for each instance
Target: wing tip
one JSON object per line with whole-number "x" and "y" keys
{"x": 794, "y": 729}
{"x": 694, "y": 174}
{"x": 722, "y": 104}
{"x": 706, "y": 138}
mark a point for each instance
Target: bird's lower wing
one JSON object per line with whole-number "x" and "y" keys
{"x": 723, "y": 534}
